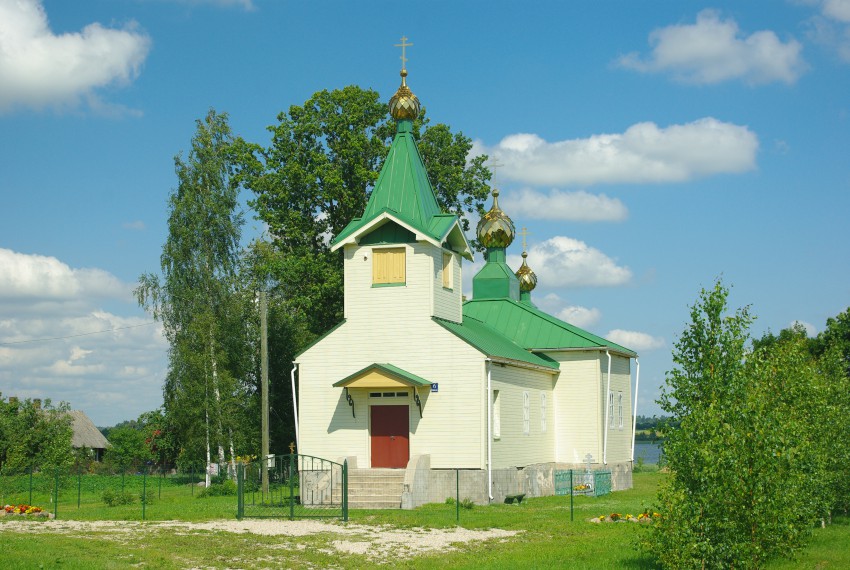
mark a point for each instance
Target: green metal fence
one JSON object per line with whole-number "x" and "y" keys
{"x": 580, "y": 482}
{"x": 296, "y": 486}
{"x": 66, "y": 491}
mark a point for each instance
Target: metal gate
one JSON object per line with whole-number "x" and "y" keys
{"x": 297, "y": 486}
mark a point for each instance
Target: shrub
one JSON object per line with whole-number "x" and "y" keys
{"x": 115, "y": 498}
{"x": 225, "y": 488}
{"x": 467, "y": 503}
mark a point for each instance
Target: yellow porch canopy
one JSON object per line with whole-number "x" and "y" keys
{"x": 382, "y": 376}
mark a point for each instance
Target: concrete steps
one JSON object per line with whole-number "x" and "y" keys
{"x": 375, "y": 488}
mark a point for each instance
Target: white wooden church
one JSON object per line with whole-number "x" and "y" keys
{"x": 417, "y": 380}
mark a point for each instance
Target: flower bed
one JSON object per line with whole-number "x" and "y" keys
{"x": 645, "y": 517}
{"x": 24, "y": 510}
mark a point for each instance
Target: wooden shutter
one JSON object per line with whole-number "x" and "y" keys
{"x": 388, "y": 266}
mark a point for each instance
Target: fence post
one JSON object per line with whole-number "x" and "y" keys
{"x": 345, "y": 490}
{"x": 291, "y": 488}
{"x": 123, "y": 469}
{"x": 192, "y": 477}
{"x": 571, "y": 495}
{"x": 79, "y": 485}
{"x": 30, "y": 501}
{"x": 161, "y": 475}
{"x": 457, "y": 495}
{"x": 240, "y": 505}
{"x": 55, "y": 493}
{"x": 144, "y": 491}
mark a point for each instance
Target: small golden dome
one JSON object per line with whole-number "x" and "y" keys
{"x": 404, "y": 104}
{"x": 496, "y": 229}
{"x": 527, "y": 278}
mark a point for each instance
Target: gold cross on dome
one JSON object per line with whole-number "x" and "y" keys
{"x": 494, "y": 165}
{"x": 524, "y": 233}
{"x": 403, "y": 45}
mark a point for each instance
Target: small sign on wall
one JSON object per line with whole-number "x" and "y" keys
{"x": 435, "y": 387}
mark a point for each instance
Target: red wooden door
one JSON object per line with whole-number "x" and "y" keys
{"x": 390, "y": 436}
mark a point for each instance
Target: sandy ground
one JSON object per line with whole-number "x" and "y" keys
{"x": 373, "y": 541}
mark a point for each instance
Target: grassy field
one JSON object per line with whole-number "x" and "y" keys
{"x": 546, "y": 538}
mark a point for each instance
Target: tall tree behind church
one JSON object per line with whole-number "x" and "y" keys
{"x": 199, "y": 300}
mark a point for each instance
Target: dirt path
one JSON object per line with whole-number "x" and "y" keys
{"x": 373, "y": 541}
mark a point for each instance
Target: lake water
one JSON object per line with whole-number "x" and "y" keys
{"x": 648, "y": 450}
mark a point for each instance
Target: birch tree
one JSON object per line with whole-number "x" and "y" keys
{"x": 196, "y": 297}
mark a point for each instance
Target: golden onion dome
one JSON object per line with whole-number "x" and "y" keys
{"x": 527, "y": 278}
{"x": 404, "y": 104}
{"x": 496, "y": 229}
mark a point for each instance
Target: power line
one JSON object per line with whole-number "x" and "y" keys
{"x": 77, "y": 335}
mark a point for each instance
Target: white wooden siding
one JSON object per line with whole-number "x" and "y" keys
{"x": 580, "y": 409}
{"x": 619, "y": 440}
{"x": 452, "y": 425}
{"x": 514, "y": 448}
{"x": 423, "y": 289}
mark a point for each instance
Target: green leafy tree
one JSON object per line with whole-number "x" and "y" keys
{"x": 827, "y": 424}
{"x": 836, "y": 336}
{"x": 199, "y": 300}
{"x": 315, "y": 176}
{"x": 742, "y": 444}
{"x": 148, "y": 439}
{"x": 34, "y": 436}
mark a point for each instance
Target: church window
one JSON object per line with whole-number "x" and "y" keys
{"x": 526, "y": 414}
{"x": 620, "y": 409}
{"x": 497, "y": 415}
{"x": 388, "y": 266}
{"x": 448, "y": 273}
{"x": 611, "y": 419}
{"x": 543, "y": 412}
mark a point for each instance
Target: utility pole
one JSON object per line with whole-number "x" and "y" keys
{"x": 264, "y": 376}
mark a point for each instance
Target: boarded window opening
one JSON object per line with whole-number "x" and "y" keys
{"x": 388, "y": 266}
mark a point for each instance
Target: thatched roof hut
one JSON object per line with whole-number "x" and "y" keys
{"x": 86, "y": 434}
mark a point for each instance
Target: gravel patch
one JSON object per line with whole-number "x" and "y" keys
{"x": 376, "y": 542}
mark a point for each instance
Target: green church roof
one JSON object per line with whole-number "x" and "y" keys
{"x": 404, "y": 194}
{"x": 494, "y": 344}
{"x": 532, "y": 329}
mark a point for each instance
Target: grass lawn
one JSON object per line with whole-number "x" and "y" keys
{"x": 546, "y": 539}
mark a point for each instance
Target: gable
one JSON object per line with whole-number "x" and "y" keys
{"x": 382, "y": 376}
{"x": 390, "y": 232}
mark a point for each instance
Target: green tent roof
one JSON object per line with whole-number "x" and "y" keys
{"x": 493, "y": 344}
{"x": 404, "y": 193}
{"x": 532, "y": 329}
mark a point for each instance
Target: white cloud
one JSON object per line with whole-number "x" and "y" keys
{"x": 644, "y": 153}
{"x": 838, "y": 10}
{"x": 581, "y": 317}
{"x": 713, "y": 50}
{"x": 637, "y": 341}
{"x": 56, "y": 342}
{"x": 831, "y": 27}
{"x": 41, "y": 69}
{"x": 577, "y": 206}
{"x": 247, "y": 5}
{"x": 566, "y": 262}
{"x": 135, "y": 225}
{"x": 46, "y": 278}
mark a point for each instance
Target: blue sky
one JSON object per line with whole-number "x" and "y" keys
{"x": 648, "y": 147}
